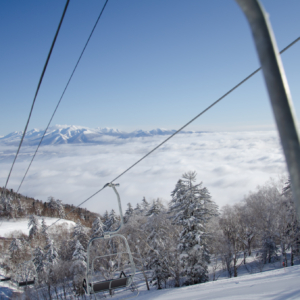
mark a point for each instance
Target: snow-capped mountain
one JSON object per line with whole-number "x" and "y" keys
{"x": 64, "y": 134}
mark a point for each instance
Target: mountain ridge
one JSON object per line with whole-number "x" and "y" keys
{"x": 71, "y": 134}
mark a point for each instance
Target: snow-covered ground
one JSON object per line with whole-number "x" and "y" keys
{"x": 9, "y": 226}
{"x": 280, "y": 284}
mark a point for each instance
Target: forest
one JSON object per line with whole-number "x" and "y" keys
{"x": 186, "y": 241}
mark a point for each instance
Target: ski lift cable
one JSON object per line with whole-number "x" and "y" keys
{"x": 62, "y": 95}
{"x": 37, "y": 90}
{"x": 180, "y": 129}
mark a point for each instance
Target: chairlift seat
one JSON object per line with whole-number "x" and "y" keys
{"x": 112, "y": 284}
{"x": 27, "y": 282}
{"x": 5, "y": 279}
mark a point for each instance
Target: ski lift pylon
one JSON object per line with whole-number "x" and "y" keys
{"x": 92, "y": 287}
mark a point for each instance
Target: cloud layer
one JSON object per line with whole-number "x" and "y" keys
{"x": 229, "y": 164}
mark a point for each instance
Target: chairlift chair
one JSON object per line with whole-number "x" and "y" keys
{"x": 5, "y": 279}
{"x": 116, "y": 279}
{"x": 27, "y": 272}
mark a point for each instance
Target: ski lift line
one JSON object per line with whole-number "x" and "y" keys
{"x": 38, "y": 88}
{"x": 62, "y": 95}
{"x": 205, "y": 110}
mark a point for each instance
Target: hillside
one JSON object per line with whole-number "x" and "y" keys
{"x": 15, "y": 206}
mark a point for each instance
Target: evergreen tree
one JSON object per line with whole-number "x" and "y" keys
{"x": 15, "y": 249}
{"x": 112, "y": 221}
{"x": 78, "y": 267}
{"x": 79, "y": 252}
{"x": 60, "y": 209}
{"x": 51, "y": 256}
{"x": 56, "y": 208}
{"x": 97, "y": 227}
{"x": 145, "y": 205}
{"x": 192, "y": 207}
{"x": 128, "y": 212}
{"x": 38, "y": 260}
{"x": 34, "y": 225}
{"x": 138, "y": 209}
{"x": 105, "y": 218}
{"x": 80, "y": 234}
{"x": 20, "y": 208}
{"x": 155, "y": 209}
{"x": 157, "y": 252}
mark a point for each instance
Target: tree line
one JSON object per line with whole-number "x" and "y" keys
{"x": 186, "y": 241}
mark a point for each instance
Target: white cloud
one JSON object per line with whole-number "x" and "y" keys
{"x": 229, "y": 164}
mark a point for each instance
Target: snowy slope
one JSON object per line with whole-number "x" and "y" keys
{"x": 279, "y": 284}
{"x": 8, "y": 226}
{"x": 64, "y": 134}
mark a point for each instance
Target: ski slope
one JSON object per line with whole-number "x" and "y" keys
{"x": 9, "y": 226}
{"x": 280, "y": 284}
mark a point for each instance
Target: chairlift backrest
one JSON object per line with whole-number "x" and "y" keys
{"x": 114, "y": 283}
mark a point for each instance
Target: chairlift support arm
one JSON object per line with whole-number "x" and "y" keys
{"x": 278, "y": 90}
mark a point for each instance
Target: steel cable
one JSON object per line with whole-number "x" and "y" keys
{"x": 63, "y": 94}
{"x": 37, "y": 90}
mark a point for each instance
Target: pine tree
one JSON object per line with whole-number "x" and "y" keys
{"x": 33, "y": 222}
{"x": 38, "y": 260}
{"x": 60, "y": 209}
{"x": 97, "y": 227}
{"x": 20, "y": 208}
{"x": 112, "y": 221}
{"x": 56, "y": 208}
{"x": 192, "y": 207}
{"x": 156, "y": 254}
{"x": 51, "y": 256}
{"x": 80, "y": 234}
{"x": 145, "y": 205}
{"x": 15, "y": 250}
{"x": 138, "y": 209}
{"x": 155, "y": 209}
{"x": 105, "y": 217}
{"x": 78, "y": 267}
{"x": 44, "y": 232}
{"x": 79, "y": 252}
{"x": 128, "y": 212}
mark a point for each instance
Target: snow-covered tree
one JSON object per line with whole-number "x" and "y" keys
{"x": 128, "y": 212}
{"x": 138, "y": 209}
{"x": 78, "y": 267}
{"x": 56, "y": 207}
{"x": 20, "y": 208}
{"x": 15, "y": 250}
{"x": 105, "y": 217}
{"x": 145, "y": 205}
{"x": 34, "y": 225}
{"x": 157, "y": 254}
{"x": 97, "y": 227}
{"x": 112, "y": 221}
{"x": 192, "y": 207}
{"x": 51, "y": 255}
{"x": 80, "y": 234}
{"x": 79, "y": 252}
{"x": 38, "y": 260}
{"x": 156, "y": 208}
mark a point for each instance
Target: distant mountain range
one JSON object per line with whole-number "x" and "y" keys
{"x": 64, "y": 134}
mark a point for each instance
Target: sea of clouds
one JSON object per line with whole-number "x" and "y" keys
{"x": 229, "y": 164}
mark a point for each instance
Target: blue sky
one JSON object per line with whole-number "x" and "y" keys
{"x": 149, "y": 64}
